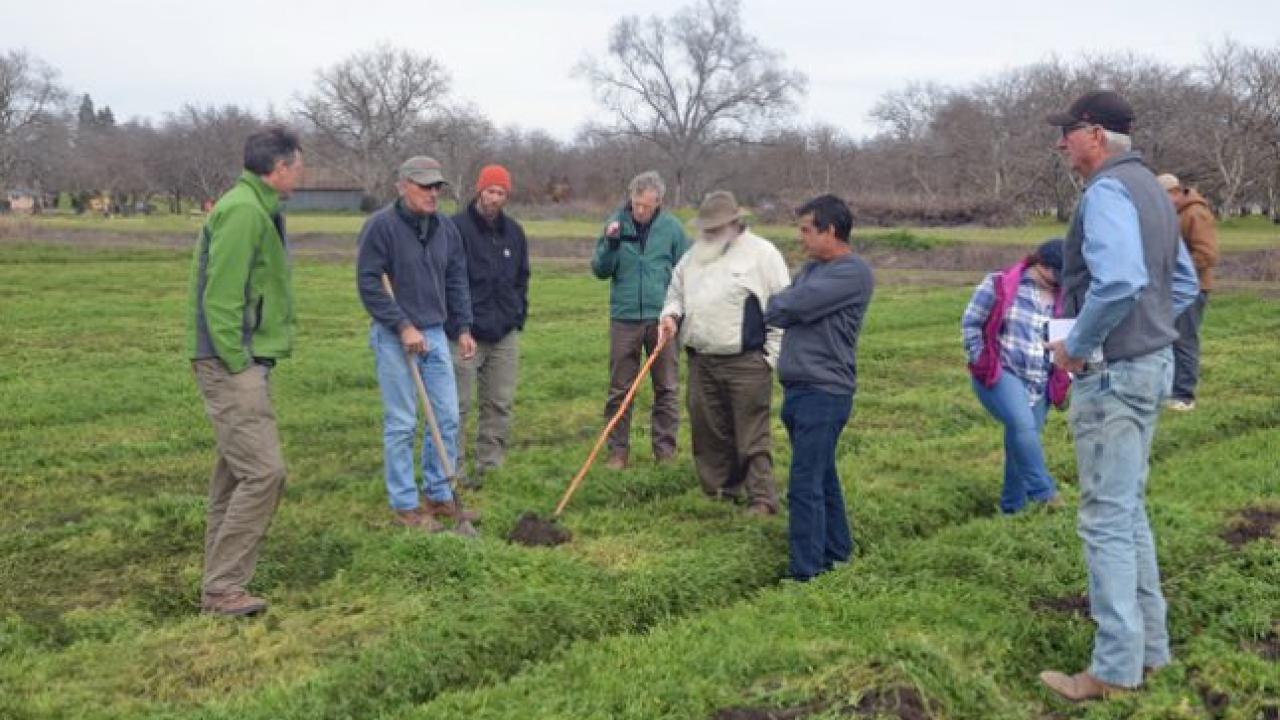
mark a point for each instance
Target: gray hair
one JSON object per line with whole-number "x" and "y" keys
{"x": 1117, "y": 142}
{"x": 647, "y": 180}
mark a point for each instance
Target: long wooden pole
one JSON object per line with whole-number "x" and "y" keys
{"x": 436, "y": 438}
{"x": 622, "y": 409}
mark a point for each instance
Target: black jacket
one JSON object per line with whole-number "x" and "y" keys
{"x": 428, "y": 270}
{"x": 498, "y": 274}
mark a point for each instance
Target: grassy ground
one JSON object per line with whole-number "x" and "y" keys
{"x": 1235, "y": 234}
{"x": 664, "y": 605}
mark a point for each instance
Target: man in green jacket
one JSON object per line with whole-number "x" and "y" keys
{"x": 637, "y": 251}
{"x": 241, "y": 322}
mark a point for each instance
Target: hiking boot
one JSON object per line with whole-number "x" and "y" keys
{"x": 1180, "y": 405}
{"x": 1080, "y": 687}
{"x": 236, "y": 603}
{"x": 664, "y": 458}
{"x": 617, "y": 461}
{"x": 449, "y": 509}
{"x": 759, "y": 509}
{"x": 416, "y": 519}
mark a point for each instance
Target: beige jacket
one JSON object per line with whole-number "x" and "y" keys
{"x": 721, "y": 302}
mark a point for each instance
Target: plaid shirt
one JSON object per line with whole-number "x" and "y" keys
{"x": 1022, "y": 337}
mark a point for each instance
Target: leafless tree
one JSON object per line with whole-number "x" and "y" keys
{"x": 203, "y": 150}
{"x": 368, "y": 107}
{"x": 691, "y": 84}
{"x": 30, "y": 101}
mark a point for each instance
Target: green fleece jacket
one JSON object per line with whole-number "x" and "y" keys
{"x": 640, "y": 264}
{"x": 240, "y": 303}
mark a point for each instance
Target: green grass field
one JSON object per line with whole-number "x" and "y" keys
{"x": 1235, "y": 234}
{"x": 665, "y": 605}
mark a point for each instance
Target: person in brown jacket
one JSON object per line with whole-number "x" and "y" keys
{"x": 1201, "y": 238}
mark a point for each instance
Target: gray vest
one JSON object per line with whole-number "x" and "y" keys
{"x": 1149, "y": 325}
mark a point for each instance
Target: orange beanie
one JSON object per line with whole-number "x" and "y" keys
{"x": 491, "y": 175}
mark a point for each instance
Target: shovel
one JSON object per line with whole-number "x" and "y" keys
{"x": 462, "y": 527}
{"x": 533, "y": 530}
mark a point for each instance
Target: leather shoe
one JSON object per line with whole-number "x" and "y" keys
{"x": 236, "y": 603}
{"x": 449, "y": 509}
{"x": 1080, "y": 687}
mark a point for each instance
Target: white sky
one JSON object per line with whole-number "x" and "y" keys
{"x": 513, "y": 59}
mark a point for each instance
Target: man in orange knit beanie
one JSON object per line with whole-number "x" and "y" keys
{"x": 498, "y": 273}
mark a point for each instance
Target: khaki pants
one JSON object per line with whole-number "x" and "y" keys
{"x": 626, "y": 340}
{"x": 491, "y": 373}
{"x": 729, "y": 398}
{"x": 248, "y": 477}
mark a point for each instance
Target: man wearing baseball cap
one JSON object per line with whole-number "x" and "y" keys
{"x": 420, "y": 251}
{"x": 1195, "y": 218}
{"x": 498, "y": 274}
{"x": 1126, "y": 276}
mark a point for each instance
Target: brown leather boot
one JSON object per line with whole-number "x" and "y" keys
{"x": 416, "y": 519}
{"x": 236, "y": 603}
{"x": 1080, "y": 687}
{"x": 449, "y": 509}
{"x": 617, "y": 460}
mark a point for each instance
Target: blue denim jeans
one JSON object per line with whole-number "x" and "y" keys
{"x": 1025, "y": 475}
{"x": 818, "y": 529}
{"x": 1113, "y": 417}
{"x": 400, "y": 414}
{"x": 1186, "y": 350}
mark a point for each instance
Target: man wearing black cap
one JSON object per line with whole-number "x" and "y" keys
{"x": 1126, "y": 276}
{"x": 419, "y": 250}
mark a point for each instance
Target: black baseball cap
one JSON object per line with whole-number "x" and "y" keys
{"x": 1101, "y": 107}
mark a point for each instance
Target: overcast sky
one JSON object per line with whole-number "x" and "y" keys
{"x": 513, "y": 58}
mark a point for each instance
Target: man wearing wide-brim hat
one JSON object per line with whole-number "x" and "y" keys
{"x": 715, "y": 305}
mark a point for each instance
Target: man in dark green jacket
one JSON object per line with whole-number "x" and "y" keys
{"x": 241, "y": 322}
{"x": 637, "y": 251}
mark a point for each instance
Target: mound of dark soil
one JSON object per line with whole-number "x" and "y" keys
{"x": 1254, "y": 523}
{"x": 534, "y": 531}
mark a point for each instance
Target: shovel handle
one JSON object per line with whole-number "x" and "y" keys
{"x": 436, "y": 438}
{"x": 617, "y": 417}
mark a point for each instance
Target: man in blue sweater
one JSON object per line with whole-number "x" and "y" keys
{"x": 821, "y": 314}
{"x": 1126, "y": 276}
{"x": 420, "y": 251}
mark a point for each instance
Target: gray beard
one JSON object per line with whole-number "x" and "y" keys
{"x": 706, "y": 251}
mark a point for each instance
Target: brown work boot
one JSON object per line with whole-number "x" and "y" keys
{"x": 415, "y": 518}
{"x": 617, "y": 460}
{"x": 665, "y": 458}
{"x": 236, "y": 603}
{"x": 759, "y": 509}
{"x": 1080, "y": 687}
{"x": 449, "y": 509}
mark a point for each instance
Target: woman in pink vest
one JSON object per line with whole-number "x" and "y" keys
{"x": 1005, "y": 332}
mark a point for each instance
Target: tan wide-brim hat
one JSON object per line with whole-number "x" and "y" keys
{"x": 718, "y": 208}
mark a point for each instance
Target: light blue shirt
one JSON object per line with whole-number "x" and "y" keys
{"x": 1113, "y": 253}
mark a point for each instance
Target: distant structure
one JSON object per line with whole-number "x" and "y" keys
{"x": 324, "y": 188}
{"x": 20, "y": 201}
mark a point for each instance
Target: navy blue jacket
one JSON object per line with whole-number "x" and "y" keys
{"x": 424, "y": 258}
{"x": 498, "y": 275}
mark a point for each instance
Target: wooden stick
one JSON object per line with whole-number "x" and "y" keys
{"x": 436, "y": 438}
{"x": 622, "y": 409}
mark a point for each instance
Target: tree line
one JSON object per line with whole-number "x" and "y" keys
{"x": 697, "y": 97}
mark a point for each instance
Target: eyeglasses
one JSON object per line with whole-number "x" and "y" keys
{"x": 430, "y": 186}
{"x": 1068, "y": 129}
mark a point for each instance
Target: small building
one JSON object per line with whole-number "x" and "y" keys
{"x": 325, "y": 189}
{"x": 20, "y": 201}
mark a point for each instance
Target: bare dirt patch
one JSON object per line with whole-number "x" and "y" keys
{"x": 1253, "y": 523}
{"x": 533, "y": 531}
{"x": 1067, "y": 604}
{"x": 899, "y": 701}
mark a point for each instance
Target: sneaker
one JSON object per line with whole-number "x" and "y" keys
{"x": 449, "y": 509}
{"x": 1080, "y": 687}
{"x": 1180, "y": 405}
{"x": 416, "y": 519}
{"x": 236, "y": 603}
{"x": 617, "y": 461}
